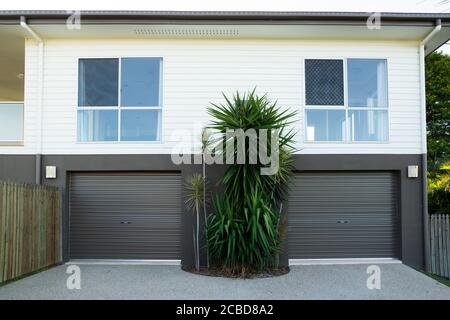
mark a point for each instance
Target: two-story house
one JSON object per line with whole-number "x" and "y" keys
{"x": 94, "y": 109}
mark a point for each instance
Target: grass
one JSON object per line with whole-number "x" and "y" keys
{"x": 438, "y": 278}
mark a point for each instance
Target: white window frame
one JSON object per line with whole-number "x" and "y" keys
{"x": 345, "y": 107}
{"x": 119, "y": 107}
{"x": 15, "y": 142}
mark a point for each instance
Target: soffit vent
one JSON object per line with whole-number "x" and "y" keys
{"x": 201, "y": 33}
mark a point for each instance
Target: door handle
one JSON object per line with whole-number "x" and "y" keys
{"x": 342, "y": 221}
{"x": 125, "y": 222}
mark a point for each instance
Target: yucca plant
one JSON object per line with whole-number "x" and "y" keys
{"x": 245, "y": 230}
{"x": 247, "y": 242}
{"x": 249, "y": 111}
{"x": 205, "y": 145}
{"x": 195, "y": 198}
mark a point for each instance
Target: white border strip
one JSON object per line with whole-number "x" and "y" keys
{"x": 308, "y": 262}
{"x": 126, "y": 262}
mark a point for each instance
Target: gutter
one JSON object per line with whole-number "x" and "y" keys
{"x": 40, "y": 41}
{"x": 225, "y": 15}
{"x": 423, "y": 101}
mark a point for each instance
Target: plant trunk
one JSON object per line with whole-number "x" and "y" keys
{"x": 204, "y": 208}
{"x": 198, "y": 232}
{"x": 195, "y": 246}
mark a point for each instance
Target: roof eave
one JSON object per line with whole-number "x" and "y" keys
{"x": 230, "y": 16}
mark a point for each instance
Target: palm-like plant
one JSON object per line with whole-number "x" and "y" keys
{"x": 194, "y": 199}
{"x": 250, "y": 111}
{"x": 244, "y": 242}
{"x": 245, "y": 230}
{"x": 205, "y": 145}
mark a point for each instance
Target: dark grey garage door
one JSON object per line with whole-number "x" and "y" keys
{"x": 125, "y": 216}
{"x": 343, "y": 215}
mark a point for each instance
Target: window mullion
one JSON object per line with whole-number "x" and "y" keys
{"x": 119, "y": 101}
{"x": 347, "y": 137}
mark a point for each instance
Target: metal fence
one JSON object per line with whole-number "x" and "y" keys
{"x": 29, "y": 228}
{"x": 440, "y": 244}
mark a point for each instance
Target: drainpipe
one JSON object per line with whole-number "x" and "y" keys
{"x": 426, "y": 231}
{"x": 39, "y": 111}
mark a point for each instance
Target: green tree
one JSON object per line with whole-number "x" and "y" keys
{"x": 194, "y": 200}
{"x": 247, "y": 226}
{"x": 437, "y": 73}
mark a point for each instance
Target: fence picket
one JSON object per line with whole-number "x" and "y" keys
{"x": 447, "y": 246}
{"x": 432, "y": 249}
{"x": 440, "y": 244}
{"x": 29, "y": 228}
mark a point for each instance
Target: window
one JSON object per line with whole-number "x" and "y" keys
{"x": 368, "y": 125}
{"x": 326, "y": 125}
{"x": 354, "y": 109}
{"x": 119, "y": 99}
{"x": 367, "y": 85}
{"x": 98, "y": 82}
{"x": 11, "y": 122}
{"x": 97, "y": 125}
{"x": 324, "y": 81}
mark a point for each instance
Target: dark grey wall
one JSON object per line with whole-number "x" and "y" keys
{"x": 22, "y": 168}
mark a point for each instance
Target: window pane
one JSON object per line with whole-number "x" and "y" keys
{"x": 367, "y": 83}
{"x": 97, "y": 125}
{"x": 324, "y": 82}
{"x": 98, "y": 82}
{"x": 368, "y": 125}
{"x": 140, "y": 125}
{"x": 140, "y": 81}
{"x": 325, "y": 125}
{"x": 11, "y": 122}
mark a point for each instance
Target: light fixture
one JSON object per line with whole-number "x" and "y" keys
{"x": 413, "y": 171}
{"x": 50, "y": 172}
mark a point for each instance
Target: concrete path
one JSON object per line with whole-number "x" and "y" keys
{"x": 169, "y": 282}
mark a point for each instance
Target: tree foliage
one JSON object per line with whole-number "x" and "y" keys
{"x": 438, "y": 132}
{"x": 246, "y": 230}
{"x": 437, "y": 71}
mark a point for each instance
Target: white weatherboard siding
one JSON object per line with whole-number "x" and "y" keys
{"x": 195, "y": 72}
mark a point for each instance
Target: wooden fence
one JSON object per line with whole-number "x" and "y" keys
{"x": 440, "y": 244}
{"x": 29, "y": 228}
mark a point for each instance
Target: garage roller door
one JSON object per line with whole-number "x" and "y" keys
{"x": 343, "y": 215}
{"x": 125, "y": 216}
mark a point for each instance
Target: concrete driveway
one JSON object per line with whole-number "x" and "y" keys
{"x": 169, "y": 282}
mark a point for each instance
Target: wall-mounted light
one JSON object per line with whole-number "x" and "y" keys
{"x": 50, "y": 172}
{"x": 413, "y": 171}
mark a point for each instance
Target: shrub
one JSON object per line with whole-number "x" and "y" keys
{"x": 439, "y": 191}
{"x": 245, "y": 230}
{"x": 246, "y": 242}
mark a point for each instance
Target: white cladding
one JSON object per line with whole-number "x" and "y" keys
{"x": 196, "y": 72}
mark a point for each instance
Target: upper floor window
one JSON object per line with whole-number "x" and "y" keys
{"x": 119, "y": 99}
{"x": 324, "y": 82}
{"x": 346, "y": 100}
{"x": 11, "y": 122}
